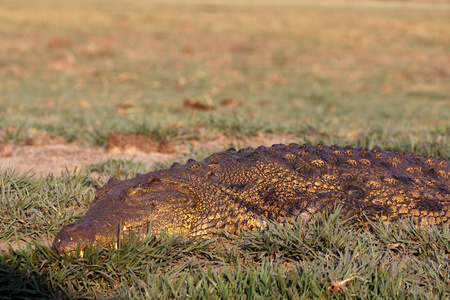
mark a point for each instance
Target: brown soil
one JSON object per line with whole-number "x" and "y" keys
{"x": 48, "y": 155}
{"x": 120, "y": 143}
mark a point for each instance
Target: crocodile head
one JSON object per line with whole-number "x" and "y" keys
{"x": 146, "y": 203}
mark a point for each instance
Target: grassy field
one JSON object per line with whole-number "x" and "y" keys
{"x": 341, "y": 72}
{"x": 365, "y": 73}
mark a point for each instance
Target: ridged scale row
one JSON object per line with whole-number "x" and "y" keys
{"x": 380, "y": 183}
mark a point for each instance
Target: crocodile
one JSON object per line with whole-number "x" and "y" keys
{"x": 233, "y": 190}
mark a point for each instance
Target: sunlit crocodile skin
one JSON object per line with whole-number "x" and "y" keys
{"x": 233, "y": 189}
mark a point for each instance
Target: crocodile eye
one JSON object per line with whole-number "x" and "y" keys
{"x": 150, "y": 181}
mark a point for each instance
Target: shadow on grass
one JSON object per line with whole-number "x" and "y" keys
{"x": 17, "y": 285}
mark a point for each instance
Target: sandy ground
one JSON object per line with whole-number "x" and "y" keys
{"x": 54, "y": 159}
{"x": 46, "y": 155}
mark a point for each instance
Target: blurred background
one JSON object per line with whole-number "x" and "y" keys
{"x": 369, "y": 73}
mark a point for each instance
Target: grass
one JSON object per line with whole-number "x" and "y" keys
{"x": 264, "y": 264}
{"x": 118, "y": 168}
{"x": 320, "y": 71}
{"x": 365, "y": 73}
{"x": 322, "y": 258}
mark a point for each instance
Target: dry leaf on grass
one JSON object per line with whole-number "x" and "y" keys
{"x": 337, "y": 286}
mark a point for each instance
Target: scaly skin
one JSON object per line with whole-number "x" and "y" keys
{"x": 232, "y": 189}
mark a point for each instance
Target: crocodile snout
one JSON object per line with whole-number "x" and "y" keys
{"x": 70, "y": 235}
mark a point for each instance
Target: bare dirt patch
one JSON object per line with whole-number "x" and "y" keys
{"x": 46, "y": 155}
{"x": 120, "y": 143}
{"x": 57, "y": 158}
